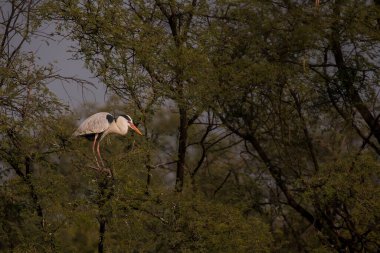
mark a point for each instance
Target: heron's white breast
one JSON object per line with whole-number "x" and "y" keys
{"x": 118, "y": 128}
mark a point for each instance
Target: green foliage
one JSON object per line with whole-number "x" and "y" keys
{"x": 348, "y": 189}
{"x": 268, "y": 108}
{"x": 216, "y": 227}
{"x": 186, "y": 223}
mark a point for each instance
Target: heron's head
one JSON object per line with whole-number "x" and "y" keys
{"x": 127, "y": 120}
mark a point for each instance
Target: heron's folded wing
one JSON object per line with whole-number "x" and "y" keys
{"x": 96, "y": 123}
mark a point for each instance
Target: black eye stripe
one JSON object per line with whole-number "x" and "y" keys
{"x": 127, "y": 117}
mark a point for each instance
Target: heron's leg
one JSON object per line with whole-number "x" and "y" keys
{"x": 101, "y": 160}
{"x": 93, "y": 150}
{"x": 100, "y": 157}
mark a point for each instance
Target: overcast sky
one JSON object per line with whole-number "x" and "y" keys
{"x": 56, "y": 52}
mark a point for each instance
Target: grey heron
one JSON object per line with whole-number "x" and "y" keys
{"x": 99, "y": 125}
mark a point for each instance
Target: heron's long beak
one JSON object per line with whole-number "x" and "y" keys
{"x": 135, "y": 129}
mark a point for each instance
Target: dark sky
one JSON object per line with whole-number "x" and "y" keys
{"x": 56, "y": 53}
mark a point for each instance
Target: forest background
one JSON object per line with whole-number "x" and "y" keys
{"x": 260, "y": 120}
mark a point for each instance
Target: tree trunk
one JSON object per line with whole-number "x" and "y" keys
{"x": 33, "y": 193}
{"x": 106, "y": 188}
{"x": 102, "y": 230}
{"x": 347, "y": 79}
{"x": 182, "y": 142}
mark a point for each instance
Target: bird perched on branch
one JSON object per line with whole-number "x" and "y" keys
{"x": 99, "y": 125}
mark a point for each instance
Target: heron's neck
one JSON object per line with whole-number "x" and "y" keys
{"x": 119, "y": 127}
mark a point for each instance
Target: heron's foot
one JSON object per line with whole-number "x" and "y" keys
{"x": 102, "y": 170}
{"x": 94, "y": 168}
{"x": 108, "y": 171}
